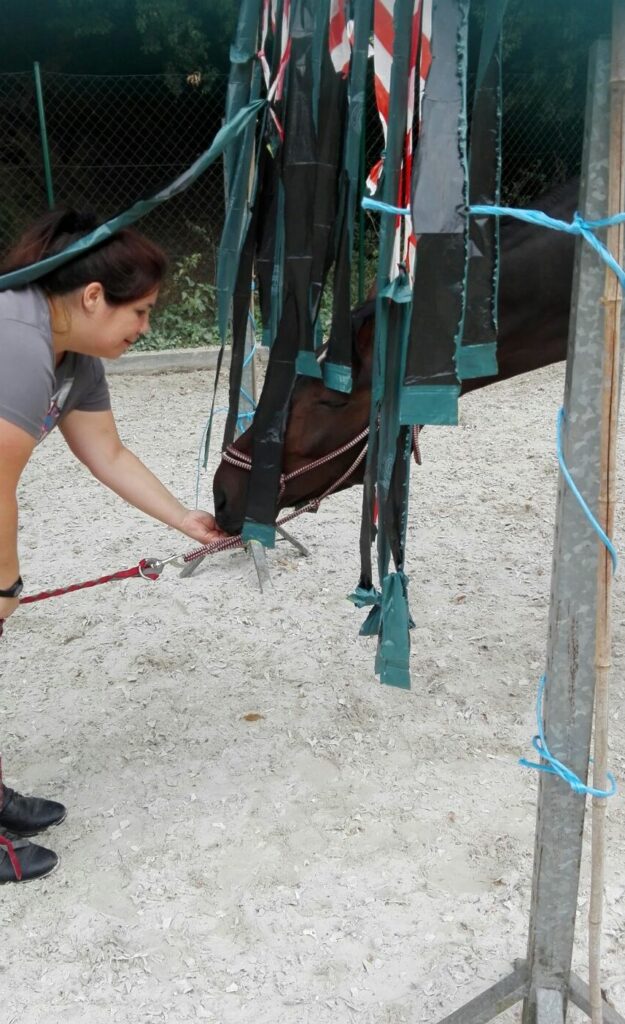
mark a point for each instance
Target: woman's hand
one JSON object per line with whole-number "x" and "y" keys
{"x": 200, "y": 526}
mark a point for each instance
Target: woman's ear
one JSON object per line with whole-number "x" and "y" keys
{"x": 92, "y": 296}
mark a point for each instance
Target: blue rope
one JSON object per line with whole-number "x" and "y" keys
{"x": 586, "y": 229}
{"x": 578, "y": 226}
{"x": 582, "y": 503}
{"x": 555, "y": 767}
{"x": 376, "y": 204}
{"x": 539, "y": 743}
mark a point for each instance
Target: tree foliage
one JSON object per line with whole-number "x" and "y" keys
{"x": 122, "y": 36}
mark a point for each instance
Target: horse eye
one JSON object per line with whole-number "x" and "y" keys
{"x": 333, "y": 403}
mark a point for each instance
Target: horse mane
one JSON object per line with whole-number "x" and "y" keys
{"x": 559, "y": 201}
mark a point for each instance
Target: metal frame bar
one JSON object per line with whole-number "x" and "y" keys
{"x": 544, "y": 981}
{"x": 45, "y": 149}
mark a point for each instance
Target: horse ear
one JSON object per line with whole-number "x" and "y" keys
{"x": 363, "y": 330}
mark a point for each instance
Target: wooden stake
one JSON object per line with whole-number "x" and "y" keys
{"x": 612, "y": 300}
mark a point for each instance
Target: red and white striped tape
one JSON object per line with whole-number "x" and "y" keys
{"x": 420, "y": 53}
{"x": 275, "y": 88}
{"x": 340, "y": 37}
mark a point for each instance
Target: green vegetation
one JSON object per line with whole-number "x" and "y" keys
{"x": 186, "y": 314}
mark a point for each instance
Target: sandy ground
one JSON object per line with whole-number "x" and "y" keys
{"x": 258, "y": 831}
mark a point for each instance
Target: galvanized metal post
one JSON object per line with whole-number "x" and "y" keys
{"x": 45, "y": 149}
{"x": 570, "y": 668}
{"x": 545, "y": 981}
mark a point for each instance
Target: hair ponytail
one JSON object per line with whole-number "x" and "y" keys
{"x": 127, "y": 265}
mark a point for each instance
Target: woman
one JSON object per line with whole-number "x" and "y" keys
{"x": 53, "y": 336}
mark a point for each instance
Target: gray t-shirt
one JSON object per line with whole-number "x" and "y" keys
{"x": 34, "y": 395}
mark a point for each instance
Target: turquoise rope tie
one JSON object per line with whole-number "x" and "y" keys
{"x": 578, "y": 226}
{"x": 539, "y": 743}
{"x": 555, "y": 767}
{"x": 603, "y": 537}
{"x": 377, "y": 204}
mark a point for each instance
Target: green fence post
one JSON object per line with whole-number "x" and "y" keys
{"x": 47, "y": 166}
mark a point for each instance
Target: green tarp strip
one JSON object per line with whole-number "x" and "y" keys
{"x": 237, "y": 216}
{"x": 391, "y": 332}
{"x": 339, "y": 345}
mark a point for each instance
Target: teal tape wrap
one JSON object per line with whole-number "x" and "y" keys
{"x": 476, "y": 361}
{"x": 306, "y": 364}
{"x": 337, "y": 377}
{"x": 429, "y": 403}
{"x": 393, "y": 655}
{"x": 266, "y": 535}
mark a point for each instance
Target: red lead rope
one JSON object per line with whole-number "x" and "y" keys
{"x": 145, "y": 568}
{"x": 148, "y": 569}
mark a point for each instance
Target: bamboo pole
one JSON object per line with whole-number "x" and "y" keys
{"x": 612, "y": 301}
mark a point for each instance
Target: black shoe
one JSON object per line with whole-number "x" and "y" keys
{"x": 21, "y": 861}
{"x": 28, "y": 815}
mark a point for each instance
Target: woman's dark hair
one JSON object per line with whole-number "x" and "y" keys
{"x": 127, "y": 265}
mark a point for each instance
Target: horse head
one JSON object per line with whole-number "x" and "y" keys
{"x": 320, "y": 422}
{"x": 536, "y": 268}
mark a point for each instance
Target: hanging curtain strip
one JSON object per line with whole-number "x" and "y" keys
{"x": 295, "y": 331}
{"x": 240, "y": 199}
{"x": 383, "y": 33}
{"x": 243, "y": 86}
{"x": 431, "y": 386}
{"x": 235, "y": 278}
{"x": 242, "y": 61}
{"x": 418, "y": 38}
{"x": 383, "y": 41}
{"x": 270, "y": 238}
{"x": 283, "y": 42}
{"x": 477, "y": 353}
{"x": 393, "y": 466}
{"x": 240, "y": 319}
{"x": 270, "y": 251}
{"x": 391, "y": 326}
{"x": 18, "y": 278}
{"x": 330, "y": 130}
{"x": 337, "y": 366}
{"x": 340, "y": 34}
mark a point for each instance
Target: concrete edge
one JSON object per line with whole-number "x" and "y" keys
{"x": 173, "y": 360}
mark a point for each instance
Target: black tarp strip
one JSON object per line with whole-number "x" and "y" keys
{"x": 439, "y": 201}
{"x": 295, "y": 331}
{"x": 337, "y": 366}
{"x": 477, "y": 353}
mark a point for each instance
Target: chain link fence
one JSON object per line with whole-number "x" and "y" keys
{"x": 113, "y": 139}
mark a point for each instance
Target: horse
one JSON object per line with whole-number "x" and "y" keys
{"x": 534, "y": 297}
